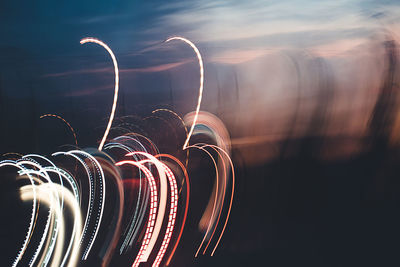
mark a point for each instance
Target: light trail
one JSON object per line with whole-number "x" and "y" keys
{"x": 153, "y": 208}
{"x": 171, "y": 217}
{"x": 133, "y": 225}
{"x": 186, "y": 202}
{"x": 200, "y": 88}
{"x": 66, "y": 122}
{"x": 215, "y": 198}
{"x": 34, "y": 204}
{"x": 114, "y": 105}
{"x": 162, "y": 204}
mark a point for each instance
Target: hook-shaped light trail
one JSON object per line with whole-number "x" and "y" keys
{"x": 185, "y": 145}
{"x": 114, "y": 106}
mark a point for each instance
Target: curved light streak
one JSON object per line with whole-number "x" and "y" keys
{"x": 34, "y": 204}
{"x": 153, "y": 209}
{"x": 186, "y": 203}
{"x": 96, "y": 41}
{"x": 185, "y": 145}
{"x": 66, "y": 122}
{"x": 163, "y": 200}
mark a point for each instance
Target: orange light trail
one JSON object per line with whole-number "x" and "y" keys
{"x": 66, "y": 122}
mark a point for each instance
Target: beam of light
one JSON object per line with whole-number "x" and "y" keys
{"x": 200, "y": 88}
{"x": 171, "y": 217}
{"x": 215, "y": 198}
{"x": 96, "y": 41}
{"x": 26, "y": 194}
{"x": 220, "y": 135}
{"x": 221, "y": 201}
{"x": 61, "y": 174}
{"x": 153, "y": 208}
{"x": 55, "y": 234}
{"x": 91, "y": 190}
{"x": 12, "y": 153}
{"x": 232, "y": 194}
{"x": 66, "y": 122}
{"x": 76, "y": 235}
{"x": 114, "y": 227}
{"x": 186, "y": 202}
{"x": 31, "y": 157}
{"x": 34, "y": 204}
{"x": 102, "y": 188}
{"x": 46, "y": 193}
{"x": 134, "y": 223}
{"x": 25, "y": 162}
{"x": 163, "y": 201}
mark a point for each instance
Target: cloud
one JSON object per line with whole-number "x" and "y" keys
{"x": 156, "y": 68}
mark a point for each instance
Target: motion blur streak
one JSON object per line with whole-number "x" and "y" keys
{"x": 162, "y": 200}
{"x": 26, "y": 193}
{"x": 114, "y": 105}
{"x": 66, "y": 122}
{"x": 31, "y": 222}
{"x": 214, "y": 197}
{"x": 200, "y": 88}
{"x": 153, "y": 208}
{"x": 186, "y": 202}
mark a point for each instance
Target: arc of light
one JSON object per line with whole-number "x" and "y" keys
{"x": 26, "y": 194}
{"x": 47, "y": 196}
{"x": 220, "y": 201}
{"x": 153, "y": 208}
{"x": 90, "y": 208}
{"x": 58, "y": 223}
{"x": 232, "y": 193}
{"x": 103, "y": 197}
{"x": 171, "y": 217}
{"x": 65, "y": 121}
{"x": 216, "y": 195}
{"x": 217, "y": 148}
{"x": 173, "y": 208}
{"x": 42, "y": 173}
{"x": 74, "y": 186}
{"x": 91, "y": 190}
{"x": 134, "y": 222}
{"x": 131, "y": 236}
{"x": 163, "y": 201}
{"x": 186, "y": 204}
{"x": 56, "y": 238}
{"x": 31, "y": 156}
{"x": 185, "y": 145}
{"x": 114, "y": 106}
{"x": 30, "y": 228}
